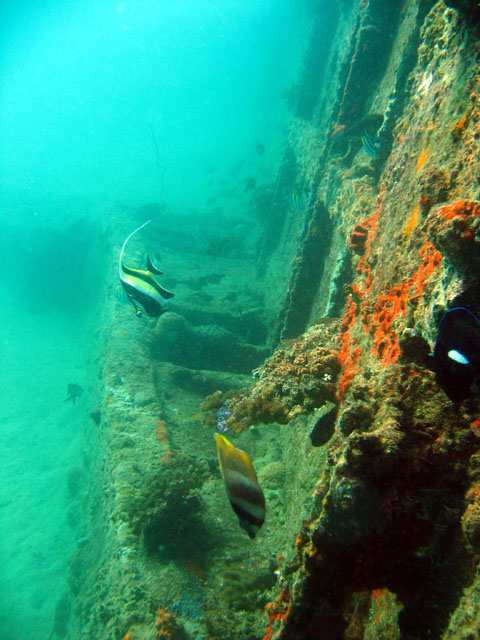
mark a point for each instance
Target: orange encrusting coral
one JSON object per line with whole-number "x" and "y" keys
{"x": 161, "y": 434}
{"x": 455, "y": 230}
{"x": 460, "y": 209}
{"x": 461, "y": 123}
{"x": 386, "y": 308}
{"x": 363, "y": 266}
{"x": 459, "y": 127}
{"x": 349, "y": 358}
{"x": 378, "y": 316}
{"x": 459, "y": 212}
{"x": 393, "y": 302}
{"x": 277, "y": 612}
{"x": 165, "y": 626}
{"x": 431, "y": 260}
{"x": 351, "y": 311}
{"x": 350, "y": 369}
{"x": 475, "y": 427}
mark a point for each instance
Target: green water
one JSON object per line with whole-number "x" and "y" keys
{"x": 105, "y": 108}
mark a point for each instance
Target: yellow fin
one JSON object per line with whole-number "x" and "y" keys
{"x": 232, "y": 459}
{"x": 241, "y": 483}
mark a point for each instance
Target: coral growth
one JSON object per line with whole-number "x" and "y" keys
{"x": 394, "y": 490}
{"x": 277, "y": 612}
{"x": 391, "y": 304}
{"x": 459, "y": 128}
{"x": 167, "y": 627}
{"x": 455, "y": 229}
{"x": 380, "y": 311}
{"x": 362, "y": 233}
{"x": 166, "y": 508}
{"x": 471, "y": 518}
{"x": 358, "y": 238}
{"x": 297, "y": 378}
{"x": 161, "y": 435}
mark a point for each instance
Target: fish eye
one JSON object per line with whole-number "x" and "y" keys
{"x": 138, "y": 313}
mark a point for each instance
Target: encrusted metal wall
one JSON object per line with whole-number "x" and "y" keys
{"x": 374, "y": 534}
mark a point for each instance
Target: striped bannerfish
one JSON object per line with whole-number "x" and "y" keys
{"x": 241, "y": 483}
{"x": 140, "y": 286}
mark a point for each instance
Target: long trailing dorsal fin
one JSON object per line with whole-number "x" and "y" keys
{"x": 120, "y": 258}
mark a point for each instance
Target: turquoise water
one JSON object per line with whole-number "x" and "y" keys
{"x": 106, "y": 107}
{"x": 42, "y": 441}
{"x": 85, "y": 84}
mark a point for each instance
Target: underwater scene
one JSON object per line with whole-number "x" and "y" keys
{"x": 240, "y": 346}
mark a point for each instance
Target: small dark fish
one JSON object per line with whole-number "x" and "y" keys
{"x": 96, "y": 416}
{"x": 241, "y": 483}
{"x": 220, "y": 247}
{"x": 250, "y": 183}
{"x": 456, "y": 357}
{"x": 74, "y": 391}
{"x": 260, "y": 148}
{"x": 369, "y": 125}
{"x": 323, "y": 424}
{"x": 215, "y": 278}
{"x": 295, "y": 201}
{"x": 141, "y": 287}
{"x": 231, "y": 296}
{"x": 371, "y": 145}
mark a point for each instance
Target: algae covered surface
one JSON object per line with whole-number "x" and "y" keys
{"x": 322, "y": 247}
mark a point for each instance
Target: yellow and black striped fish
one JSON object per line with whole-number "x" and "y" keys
{"x": 140, "y": 286}
{"x": 241, "y": 483}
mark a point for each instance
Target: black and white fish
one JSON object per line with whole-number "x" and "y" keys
{"x": 141, "y": 286}
{"x": 367, "y": 129}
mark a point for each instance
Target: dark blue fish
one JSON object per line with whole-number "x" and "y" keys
{"x": 456, "y": 355}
